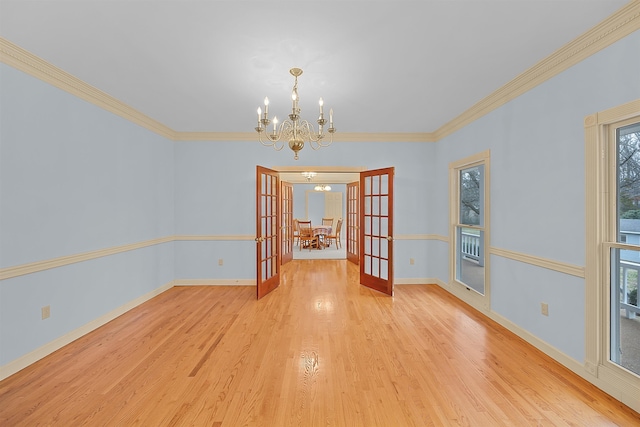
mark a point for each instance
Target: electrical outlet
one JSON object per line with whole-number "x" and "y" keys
{"x": 46, "y": 312}
{"x": 220, "y": 261}
{"x": 412, "y": 261}
{"x": 544, "y": 308}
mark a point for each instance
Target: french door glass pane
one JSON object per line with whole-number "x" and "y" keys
{"x": 375, "y": 229}
{"x": 384, "y": 248}
{"x": 384, "y": 226}
{"x": 375, "y": 205}
{"x": 384, "y": 269}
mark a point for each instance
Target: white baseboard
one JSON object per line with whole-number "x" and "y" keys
{"x": 414, "y": 281}
{"x": 214, "y": 282}
{"x": 39, "y": 353}
{"x": 541, "y": 345}
{"x": 615, "y": 387}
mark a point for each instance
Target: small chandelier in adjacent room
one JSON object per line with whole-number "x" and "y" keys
{"x": 294, "y": 130}
{"x": 308, "y": 175}
{"x": 322, "y": 188}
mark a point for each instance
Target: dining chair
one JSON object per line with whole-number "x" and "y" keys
{"x": 307, "y": 238}
{"x": 296, "y": 231}
{"x": 335, "y": 236}
{"x": 327, "y": 221}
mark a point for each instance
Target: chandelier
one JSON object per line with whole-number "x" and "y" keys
{"x": 294, "y": 130}
{"x": 308, "y": 175}
{"x": 322, "y": 188}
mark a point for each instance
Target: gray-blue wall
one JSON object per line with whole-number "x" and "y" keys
{"x": 75, "y": 178}
{"x": 538, "y": 189}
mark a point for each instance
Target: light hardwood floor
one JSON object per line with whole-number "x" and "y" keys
{"x": 320, "y": 350}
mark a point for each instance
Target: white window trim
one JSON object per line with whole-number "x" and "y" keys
{"x": 475, "y": 299}
{"x": 599, "y": 218}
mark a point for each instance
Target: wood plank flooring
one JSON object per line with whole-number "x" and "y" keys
{"x": 320, "y": 350}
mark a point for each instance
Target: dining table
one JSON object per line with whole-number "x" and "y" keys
{"x": 322, "y": 231}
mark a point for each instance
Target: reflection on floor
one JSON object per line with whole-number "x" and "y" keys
{"x": 325, "y": 253}
{"x": 473, "y": 277}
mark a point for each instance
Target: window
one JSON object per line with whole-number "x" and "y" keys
{"x": 624, "y": 146}
{"x": 470, "y": 228}
{"x": 612, "y": 174}
{"x": 469, "y": 218}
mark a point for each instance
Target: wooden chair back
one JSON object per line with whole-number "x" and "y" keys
{"x": 335, "y": 236}
{"x": 307, "y": 239}
{"x": 304, "y": 227}
{"x": 296, "y": 231}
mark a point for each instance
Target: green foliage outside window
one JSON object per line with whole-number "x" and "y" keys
{"x": 631, "y": 214}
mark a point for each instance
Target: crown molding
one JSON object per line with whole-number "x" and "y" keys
{"x": 27, "y": 62}
{"x": 320, "y": 169}
{"x": 215, "y": 136}
{"x": 338, "y": 137}
{"x": 619, "y": 25}
{"x": 384, "y": 137}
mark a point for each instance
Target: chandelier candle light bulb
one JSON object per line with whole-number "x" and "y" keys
{"x": 294, "y": 130}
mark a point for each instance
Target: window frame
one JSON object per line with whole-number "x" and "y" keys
{"x": 458, "y": 288}
{"x": 600, "y": 238}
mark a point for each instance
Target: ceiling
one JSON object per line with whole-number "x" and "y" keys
{"x": 383, "y": 66}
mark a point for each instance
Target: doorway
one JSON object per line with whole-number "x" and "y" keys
{"x": 375, "y": 224}
{"x": 312, "y": 205}
{"x": 320, "y": 207}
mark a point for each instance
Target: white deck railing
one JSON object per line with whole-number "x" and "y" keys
{"x": 630, "y": 309}
{"x": 470, "y": 245}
